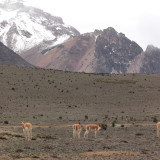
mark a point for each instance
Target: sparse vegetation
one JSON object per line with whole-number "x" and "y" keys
{"x": 50, "y": 101}
{"x": 104, "y": 126}
{"x": 60, "y": 117}
{"x": 6, "y": 122}
{"x": 114, "y": 123}
{"x": 86, "y": 117}
{"x": 155, "y": 119}
{"x": 122, "y": 125}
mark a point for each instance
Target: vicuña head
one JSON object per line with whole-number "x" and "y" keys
{"x": 22, "y": 122}
{"x": 99, "y": 127}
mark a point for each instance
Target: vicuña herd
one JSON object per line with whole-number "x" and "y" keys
{"x": 77, "y": 128}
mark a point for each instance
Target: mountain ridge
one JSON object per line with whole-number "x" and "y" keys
{"x": 98, "y": 51}
{"x": 104, "y": 51}
{"x": 7, "y": 56}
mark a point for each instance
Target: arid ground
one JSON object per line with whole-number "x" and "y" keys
{"x": 127, "y": 106}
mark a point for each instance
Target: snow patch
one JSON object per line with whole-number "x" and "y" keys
{"x": 7, "y": 15}
{"x": 96, "y": 37}
{"x": 61, "y": 39}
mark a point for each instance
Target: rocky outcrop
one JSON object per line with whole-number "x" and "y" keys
{"x": 114, "y": 51}
{"x": 151, "y": 60}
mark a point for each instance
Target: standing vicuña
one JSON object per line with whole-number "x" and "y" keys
{"x": 27, "y": 130}
{"x": 158, "y": 129}
{"x": 77, "y": 128}
{"x": 94, "y": 127}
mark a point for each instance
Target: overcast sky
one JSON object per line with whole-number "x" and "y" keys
{"x": 139, "y": 20}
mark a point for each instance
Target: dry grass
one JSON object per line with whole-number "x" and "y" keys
{"x": 54, "y": 100}
{"x": 111, "y": 153}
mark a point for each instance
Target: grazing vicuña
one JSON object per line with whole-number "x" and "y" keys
{"x": 27, "y": 130}
{"x": 94, "y": 127}
{"x": 158, "y": 129}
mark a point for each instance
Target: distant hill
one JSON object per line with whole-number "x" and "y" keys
{"x": 7, "y": 56}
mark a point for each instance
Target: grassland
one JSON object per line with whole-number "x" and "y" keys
{"x": 128, "y": 104}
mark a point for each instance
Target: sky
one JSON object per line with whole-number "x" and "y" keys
{"x": 139, "y": 20}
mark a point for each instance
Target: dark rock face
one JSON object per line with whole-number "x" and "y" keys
{"x": 151, "y": 61}
{"x": 114, "y": 52}
{"x": 7, "y": 56}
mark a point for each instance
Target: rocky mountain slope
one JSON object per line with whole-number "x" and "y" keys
{"x": 151, "y": 60}
{"x": 147, "y": 62}
{"x": 104, "y": 51}
{"x": 24, "y": 28}
{"x": 7, "y": 56}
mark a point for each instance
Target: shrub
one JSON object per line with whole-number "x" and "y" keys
{"x": 106, "y": 116}
{"x": 113, "y": 123}
{"x": 60, "y": 117}
{"x": 104, "y": 126}
{"x": 155, "y": 119}
{"x": 122, "y": 125}
{"x": 86, "y": 117}
{"x": 6, "y": 122}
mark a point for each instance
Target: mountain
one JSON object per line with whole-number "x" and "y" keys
{"x": 151, "y": 60}
{"x": 45, "y": 41}
{"x": 27, "y": 29}
{"x": 7, "y": 56}
{"x": 104, "y": 51}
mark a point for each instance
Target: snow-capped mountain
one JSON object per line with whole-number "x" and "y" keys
{"x": 24, "y": 28}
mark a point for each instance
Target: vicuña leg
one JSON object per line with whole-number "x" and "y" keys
{"x": 95, "y": 133}
{"x": 74, "y": 133}
{"x": 30, "y": 134}
{"x": 79, "y": 132}
{"x": 158, "y": 132}
{"x": 86, "y": 134}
